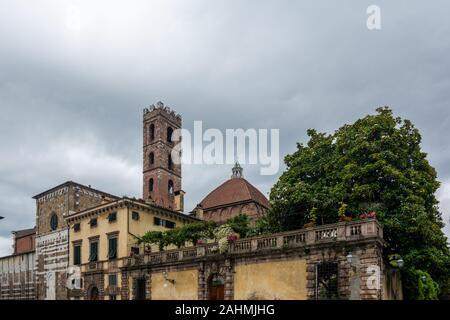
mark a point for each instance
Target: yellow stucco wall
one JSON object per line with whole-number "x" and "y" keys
{"x": 145, "y": 224}
{"x": 184, "y": 288}
{"x": 271, "y": 280}
{"x": 126, "y": 227}
{"x": 103, "y": 228}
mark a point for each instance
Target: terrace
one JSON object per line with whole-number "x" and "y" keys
{"x": 343, "y": 232}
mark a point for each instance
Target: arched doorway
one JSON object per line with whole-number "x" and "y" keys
{"x": 93, "y": 293}
{"x": 216, "y": 287}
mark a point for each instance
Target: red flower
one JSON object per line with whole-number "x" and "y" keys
{"x": 200, "y": 242}
{"x": 368, "y": 215}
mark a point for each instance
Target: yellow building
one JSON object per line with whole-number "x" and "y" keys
{"x": 101, "y": 237}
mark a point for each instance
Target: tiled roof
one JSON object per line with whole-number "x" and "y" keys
{"x": 232, "y": 191}
{"x": 24, "y": 232}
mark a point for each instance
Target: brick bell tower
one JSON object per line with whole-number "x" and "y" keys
{"x": 162, "y": 177}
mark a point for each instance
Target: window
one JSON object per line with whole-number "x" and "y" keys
{"x": 327, "y": 281}
{"x": 135, "y": 250}
{"x": 170, "y": 187}
{"x": 151, "y": 158}
{"x": 54, "y": 221}
{"x": 77, "y": 283}
{"x": 77, "y": 254}
{"x": 112, "y": 248}
{"x": 93, "y": 255}
{"x": 163, "y": 223}
{"x": 76, "y": 227}
{"x": 169, "y": 134}
{"x": 169, "y": 162}
{"x": 170, "y": 224}
{"x": 112, "y": 217}
{"x": 157, "y": 221}
{"x": 112, "y": 279}
{"x": 150, "y": 185}
{"x": 151, "y": 130}
{"x": 135, "y": 215}
{"x": 93, "y": 222}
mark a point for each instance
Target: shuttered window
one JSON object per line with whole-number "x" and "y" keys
{"x": 93, "y": 222}
{"x": 112, "y": 280}
{"x": 77, "y": 254}
{"x": 93, "y": 255}
{"x": 112, "y": 217}
{"x": 112, "y": 248}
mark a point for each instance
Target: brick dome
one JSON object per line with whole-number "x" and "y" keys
{"x": 234, "y": 190}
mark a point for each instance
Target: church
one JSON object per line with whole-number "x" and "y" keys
{"x": 86, "y": 243}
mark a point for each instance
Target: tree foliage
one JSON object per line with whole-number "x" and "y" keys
{"x": 374, "y": 164}
{"x": 191, "y": 233}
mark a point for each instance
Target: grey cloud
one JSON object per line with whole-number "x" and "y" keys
{"x": 231, "y": 64}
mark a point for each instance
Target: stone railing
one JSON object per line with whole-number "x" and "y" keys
{"x": 104, "y": 265}
{"x": 345, "y": 231}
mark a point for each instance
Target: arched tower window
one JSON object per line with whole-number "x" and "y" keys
{"x": 54, "y": 221}
{"x": 169, "y": 134}
{"x": 170, "y": 189}
{"x": 169, "y": 162}
{"x": 151, "y": 158}
{"x": 150, "y": 185}
{"x": 151, "y": 130}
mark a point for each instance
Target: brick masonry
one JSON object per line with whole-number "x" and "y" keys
{"x": 52, "y": 246}
{"x": 160, "y": 117}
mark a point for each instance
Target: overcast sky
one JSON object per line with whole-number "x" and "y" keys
{"x": 75, "y": 76}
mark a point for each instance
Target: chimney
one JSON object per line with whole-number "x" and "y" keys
{"x": 198, "y": 212}
{"x": 179, "y": 200}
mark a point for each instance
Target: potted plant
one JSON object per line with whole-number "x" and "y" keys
{"x": 342, "y": 213}
{"x": 312, "y": 218}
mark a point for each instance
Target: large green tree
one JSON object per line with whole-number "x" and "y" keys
{"x": 373, "y": 164}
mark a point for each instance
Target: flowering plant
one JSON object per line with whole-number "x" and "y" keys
{"x": 221, "y": 235}
{"x": 200, "y": 242}
{"x": 368, "y": 215}
{"x": 232, "y": 237}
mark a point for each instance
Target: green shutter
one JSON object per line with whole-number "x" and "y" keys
{"x": 94, "y": 252}
{"x": 112, "y": 251}
{"x": 77, "y": 255}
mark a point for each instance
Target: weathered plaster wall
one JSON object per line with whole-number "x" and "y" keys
{"x": 17, "y": 276}
{"x": 271, "y": 280}
{"x": 185, "y": 287}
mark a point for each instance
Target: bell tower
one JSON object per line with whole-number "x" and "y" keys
{"x": 162, "y": 177}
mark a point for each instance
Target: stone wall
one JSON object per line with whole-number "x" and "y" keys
{"x": 52, "y": 254}
{"x": 161, "y": 118}
{"x": 279, "y": 266}
{"x": 52, "y": 246}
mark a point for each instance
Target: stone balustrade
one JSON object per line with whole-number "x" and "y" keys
{"x": 339, "y": 232}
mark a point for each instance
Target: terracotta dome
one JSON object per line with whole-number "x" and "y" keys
{"x": 234, "y": 190}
